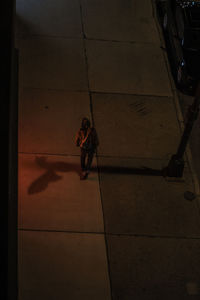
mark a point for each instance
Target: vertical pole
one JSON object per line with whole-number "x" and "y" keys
{"x": 192, "y": 116}
{"x": 176, "y": 164}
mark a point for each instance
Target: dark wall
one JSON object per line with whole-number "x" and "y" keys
{"x": 8, "y": 152}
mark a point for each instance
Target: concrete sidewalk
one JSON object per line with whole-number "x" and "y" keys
{"x": 126, "y": 232}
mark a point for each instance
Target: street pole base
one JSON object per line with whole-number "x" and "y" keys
{"x": 175, "y": 167}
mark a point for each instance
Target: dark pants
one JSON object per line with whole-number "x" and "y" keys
{"x": 89, "y": 154}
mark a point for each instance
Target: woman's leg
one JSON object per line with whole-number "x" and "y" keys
{"x": 83, "y": 156}
{"x": 89, "y": 160}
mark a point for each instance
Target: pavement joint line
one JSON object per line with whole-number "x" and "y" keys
{"x": 105, "y": 235}
{"x": 119, "y": 41}
{"x": 153, "y": 236}
{"x": 24, "y": 37}
{"x": 95, "y": 92}
{"x": 29, "y": 36}
{"x": 52, "y": 89}
{"x": 92, "y": 116}
{"x": 178, "y": 111}
{"x": 111, "y": 234}
{"x": 91, "y": 107}
{"x": 131, "y": 94}
{"x": 84, "y": 45}
{"x": 86, "y": 59}
{"x": 48, "y": 154}
{"x": 61, "y": 231}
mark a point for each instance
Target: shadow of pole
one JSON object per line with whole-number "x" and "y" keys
{"x": 125, "y": 170}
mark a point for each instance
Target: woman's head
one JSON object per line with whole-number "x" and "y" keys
{"x": 85, "y": 123}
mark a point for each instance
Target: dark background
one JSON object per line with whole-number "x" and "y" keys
{"x": 8, "y": 129}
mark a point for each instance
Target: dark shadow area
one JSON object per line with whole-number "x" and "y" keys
{"x": 23, "y": 27}
{"x": 42, "y": 182}
{"x": 125, "y": 170}
{"x": 50, "y": 175}
{"x": 160, "y": 10}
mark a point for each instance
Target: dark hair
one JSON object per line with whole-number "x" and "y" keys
{"x": 88, "y": 122}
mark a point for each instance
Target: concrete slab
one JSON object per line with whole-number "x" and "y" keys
{"x": 135, "y": 126}
{"x": 122, "y": 20}
{"x": 52, "y": 197}
{"x": 127, "y": 68}
{"x": 52, "y": 63}
{"x": 56, "y": 265}
{"x": 49, "y": 119}
{"x": 149, "y": 268}
{"x": 137, "y": 200}
{"x": 49, "y": 18}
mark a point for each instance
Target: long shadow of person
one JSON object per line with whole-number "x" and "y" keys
{"x": 41, "y": 183}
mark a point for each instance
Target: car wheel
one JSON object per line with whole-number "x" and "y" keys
{"x": 165, "y": 21}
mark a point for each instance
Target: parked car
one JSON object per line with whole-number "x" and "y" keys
{"x": 181, "y": 23}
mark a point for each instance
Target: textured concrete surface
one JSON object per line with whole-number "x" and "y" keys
{"x": 127, "y": 68}
{"x": 56, "y": 264}
{"x": 48, "y": 17}
{"x": 52, "y": 63}
{"x": 150, "y": 249}
{"x": 145, "y": 268}
{"x": 145, "y": 205}
{"x": 139, "y": 126}
{"x": 49, "y": 119}
{"x": 119, "y": 20}
{"x": 52, "y": 197}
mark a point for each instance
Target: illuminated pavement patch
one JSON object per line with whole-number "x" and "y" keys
{"x": 62, "y": 266}
{"x": 52, "y": 63}
{"x": 146, "y": 268}
{"x": 52, "y": 197}
{"x": 120, "y": 20}
{"x": 49, "y": 120}
{"x": 127, "y": 68}
{"x": 135, "y": 126}
{"x": 47, "y": 17}
{"x": 135, "y": 203}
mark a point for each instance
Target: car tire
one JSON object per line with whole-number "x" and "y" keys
{"x": 165, "y": 21}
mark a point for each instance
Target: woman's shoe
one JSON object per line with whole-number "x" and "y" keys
{"x": 82, "y": 176}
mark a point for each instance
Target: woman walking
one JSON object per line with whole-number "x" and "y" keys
{"x": 87, "y": 140}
